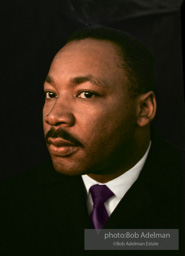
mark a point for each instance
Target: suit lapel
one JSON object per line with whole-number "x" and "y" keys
{"x": 136, "y": 200}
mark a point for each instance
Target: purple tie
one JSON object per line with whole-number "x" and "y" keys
{"x": 100, "y": 194}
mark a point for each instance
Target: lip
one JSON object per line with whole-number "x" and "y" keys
{"x": 58, "y": 142}
{"x": 60, "y": 147}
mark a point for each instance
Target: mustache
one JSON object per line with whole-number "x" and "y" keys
{"x": 60, "y": 133}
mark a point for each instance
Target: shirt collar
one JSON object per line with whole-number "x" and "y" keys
{"x": 122, "y": 183}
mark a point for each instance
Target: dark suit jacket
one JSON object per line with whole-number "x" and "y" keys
{"x": 44, "y": 212}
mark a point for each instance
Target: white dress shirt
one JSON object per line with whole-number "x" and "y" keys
{"x": 119, "y": 186}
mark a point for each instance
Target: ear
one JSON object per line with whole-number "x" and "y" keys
{"x": 147, "y": 106}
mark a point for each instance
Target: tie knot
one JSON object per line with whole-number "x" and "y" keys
{"x": 100, "y": 194}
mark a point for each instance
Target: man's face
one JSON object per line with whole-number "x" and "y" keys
{"x": 89, "y": 118}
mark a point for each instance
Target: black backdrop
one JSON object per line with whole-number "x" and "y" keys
{"x": 33, "y": 31}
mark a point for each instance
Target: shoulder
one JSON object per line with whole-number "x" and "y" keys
{"x": 164, "y": 147}
{"x": 163, "y": 168}
{"x": 30, "y": 183}
{"x": 164, "y": 154}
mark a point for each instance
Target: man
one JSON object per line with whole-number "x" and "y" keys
{"x": 99, "y": 103}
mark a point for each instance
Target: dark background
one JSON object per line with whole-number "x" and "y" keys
{"x": 32, "y": 33}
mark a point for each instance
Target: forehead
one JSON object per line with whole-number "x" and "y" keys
{"x": 88, "y": 57}
{"x": 90, "y": 52}
{"x": 92, "y": 48}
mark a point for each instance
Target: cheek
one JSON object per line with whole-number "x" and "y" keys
{"x": 92, "y": 119}
{"x": 104, "y": 123}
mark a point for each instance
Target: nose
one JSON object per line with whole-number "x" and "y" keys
{"x": 59, "y": 113}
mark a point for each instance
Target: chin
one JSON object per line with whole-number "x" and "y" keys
{"x": 68, "y": 169}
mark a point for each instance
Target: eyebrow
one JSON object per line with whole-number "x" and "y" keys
{"x": 82, "y": 79}
{"x": 49, "y": 79}
{"x": 89, "y": 78}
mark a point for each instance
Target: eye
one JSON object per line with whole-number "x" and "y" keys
{"x": 86, "y": 95}
{"x": 49, "y": 95}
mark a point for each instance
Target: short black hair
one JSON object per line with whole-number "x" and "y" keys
{"x": 136, "y": 58}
